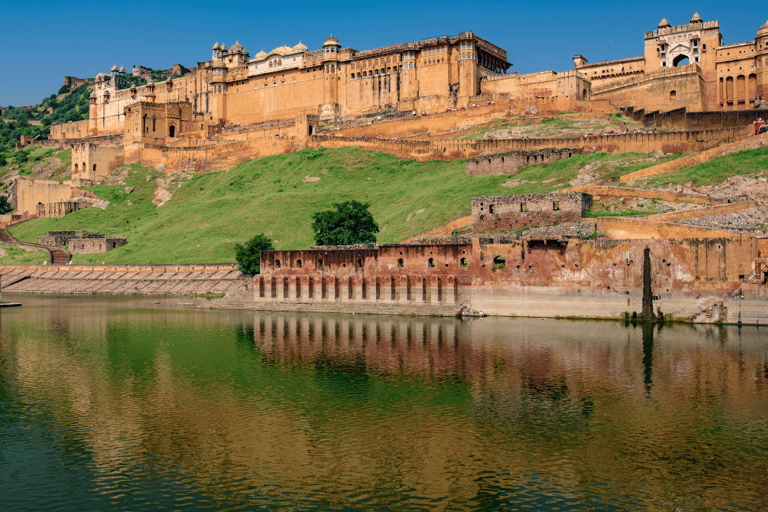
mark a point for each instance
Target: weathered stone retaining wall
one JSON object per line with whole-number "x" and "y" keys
{"x": 496, "y": 214}
{"x": 669, "y": 142}
{"x": 124, "y": 279}
{"x": 513, "y": 162}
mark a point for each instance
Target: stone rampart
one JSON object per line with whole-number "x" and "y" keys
{"x": 752, "y": 142}
{"x": 202, "y": 155}
{"x": 668, "y": 142}
{"x": 512, "y": 162}
{"x": 665, "y": 195}
{"x": 702, "y": 212}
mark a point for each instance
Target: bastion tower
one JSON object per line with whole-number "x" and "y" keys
{"x": 330, "y": 108}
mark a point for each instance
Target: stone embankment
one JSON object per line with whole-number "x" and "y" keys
{"x": 753, "y": 142}
{"x": 125, "y": 279}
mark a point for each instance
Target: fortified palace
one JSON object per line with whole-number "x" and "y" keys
{"x": 235, "y": 107}
{"x": 410, "y": 100}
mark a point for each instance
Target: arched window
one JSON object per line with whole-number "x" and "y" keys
{"x": 499, "y": 263}
{"x": 76, "y": 169}
{"x": 431, "y": 263}
{"x": 463, "y": 263}
{"x": 672, "y": 94}
{"x": 172, "y": 131}
{"x": 400, "y": 263}
{"x": 320, "y": 263}
{"x": 359, "y": 263}
{"x": 277, "y": 263}
{"x": 94, "y": 167}
{"x": 298, "y": 263}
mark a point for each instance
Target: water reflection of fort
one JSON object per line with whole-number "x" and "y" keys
{"x": 549, "y": 358}
{"x": 204, "y": 385}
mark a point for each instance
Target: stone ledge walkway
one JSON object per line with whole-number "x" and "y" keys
{"x": 125, "y": 280}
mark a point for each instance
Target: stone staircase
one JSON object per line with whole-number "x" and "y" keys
{"x": 58, "y": 255}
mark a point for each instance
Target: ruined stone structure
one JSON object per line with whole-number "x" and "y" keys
{"x": 95, "y": 243}
{"x": 694, "y": 272}
{"x": 58, "y": 238}
{"x": 388, "y": 273}
{"x": 495, "y": 214}
{"x": 59, "y": 209}
{"x": 46, "y": 198}
{"x": 685, "y": 66}
{"x": 80, "y": 242}
{"x": 512, "y": 162}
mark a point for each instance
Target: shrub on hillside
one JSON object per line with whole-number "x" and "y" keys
{"x": 249, "y": 254}
{"x": 5, "y": 206}
{"x": 349, "y": 223}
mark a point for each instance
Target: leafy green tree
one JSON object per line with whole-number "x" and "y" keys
{"x": 5, "y": 206}
{"x": 349, "y": 223}
{"x": 21, "y": 157}
{"x": 249, "y": 254}
{"x": 3, "y": 161}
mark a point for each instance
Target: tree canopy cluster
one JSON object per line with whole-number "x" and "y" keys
{"x": 348, "y": 223}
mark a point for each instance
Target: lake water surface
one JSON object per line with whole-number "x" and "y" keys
{"x": 140, "y": 404}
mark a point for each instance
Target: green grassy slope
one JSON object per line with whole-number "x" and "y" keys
{"x": 211, "y": 212}
{"x": 13, "y": 255}
{"x": 752, "y": 162}
{"x": 277, "y": 196}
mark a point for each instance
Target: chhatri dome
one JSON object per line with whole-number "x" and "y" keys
{"x": 696, "y": 19}
{"x": 664, "y": 24}
{"x": 331, "y": 41}
{"x": 282, "y": 50}
{"x": 300, "y": 48}
{"x": 261, "y": 55}
{"x": 237, "y": 47}
{"x": 216, "y": 46}
{"x": 763, "y": 31}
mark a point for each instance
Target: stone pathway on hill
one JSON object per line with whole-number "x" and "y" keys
{"x": 754, "y": 220}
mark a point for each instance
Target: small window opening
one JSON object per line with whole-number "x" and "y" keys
{"x": 556, "y": 206}
{"x": 499, "y": 263}
{"x": 320, "y": 264}
{"x": 359, "y": 263}
{"x": 277, "y": 263}
{"x": 672, "y": 95}
{"x": 400, "y": 263}
{"x": 431, "y": 263}
{"x": 523, "y": 207}
{"x": 490, "y": 208}
{"x": 463, "y": 263}
{"x": 298, "y": 263}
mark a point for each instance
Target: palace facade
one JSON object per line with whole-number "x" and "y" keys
{"x": 685, "y": 66}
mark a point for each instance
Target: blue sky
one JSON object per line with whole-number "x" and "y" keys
{"x": 42, "y": 42}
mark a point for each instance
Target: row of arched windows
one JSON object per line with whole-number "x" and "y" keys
{"x": 374, "y": 73}
{"x": 359, "y": 263}
{"x": 737, "y": 90}
{"x": 84, "y": 168}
